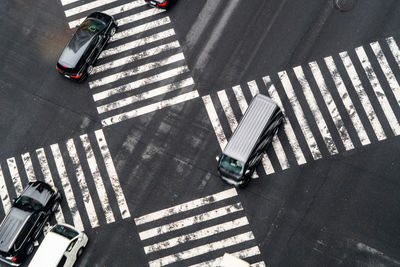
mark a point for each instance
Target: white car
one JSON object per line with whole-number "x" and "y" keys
{"x": 62, "y": 245}
{"x": 229, "y": 260}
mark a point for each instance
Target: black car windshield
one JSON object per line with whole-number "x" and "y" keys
{"x": 27, "y": 204}
{"x": 91, "y": 26}
{"x": 231, "y": 165}
{"x": 64, "y": 231}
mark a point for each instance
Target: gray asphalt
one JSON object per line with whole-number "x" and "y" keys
{"x": 342, "y": 210}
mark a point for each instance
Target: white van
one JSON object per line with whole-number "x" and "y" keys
{"x": 61, "y": 247}
{"x": 229, "y": 260}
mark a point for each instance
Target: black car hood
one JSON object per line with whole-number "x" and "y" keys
{"x": 39, "y": 191}
{"x": 10, "y": 228}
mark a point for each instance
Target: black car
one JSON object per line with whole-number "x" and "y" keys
{"x": 159, "y": 3}
{"x": 24, "y": 223}
{"x": 78, "y": 57}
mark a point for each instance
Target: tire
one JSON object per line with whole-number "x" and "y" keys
{"x": 89, "y": 69}
{"x": 80, "y": 252}
{"x": 55, "y": 207}
{"x": 113, "y": 31}
{"x": 30, "y": 249}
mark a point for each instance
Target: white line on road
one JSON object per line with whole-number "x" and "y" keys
{"x": 86, "y": 7}
{"x": 138, "y": 16}
{"x": 5, "y": 197}
{"x": 216, "y": 124}
{"x": 16, "y": 179}
{"x": 30, "y": 172}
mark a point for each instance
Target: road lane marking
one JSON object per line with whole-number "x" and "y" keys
{"x": 330, "y": 104}
{"x": 362, "y": 95}
{"x": 86, "y": 7}
{"x": 30, "y": 172}
{"x": 112, "y": 174}
{"x": 380, "y": 94}
{"x": 16, "y": 179}
{"x": 216, "y": 124}
{"x": 348, "y": 104}
{"x": 298, "y": 112}
{"x": 80, "y": 176}
{"x": 69, "y": 194}
{"x": 138, "y": 16}
{"x": 5, "y": 197}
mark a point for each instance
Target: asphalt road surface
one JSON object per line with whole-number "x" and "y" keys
{"x": 133, "y": 147}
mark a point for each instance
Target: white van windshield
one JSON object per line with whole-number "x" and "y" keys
{"x": 232, "y": 165}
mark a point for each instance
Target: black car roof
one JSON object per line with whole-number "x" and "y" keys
{"x": 101, "y": 16}
{"x": 39, "y": 191}
{"x": 11, "y": 227}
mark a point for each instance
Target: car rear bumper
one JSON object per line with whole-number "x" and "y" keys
{"x": 9, "y": 262}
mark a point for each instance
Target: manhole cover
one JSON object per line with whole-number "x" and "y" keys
{"x": 345, "y": 5}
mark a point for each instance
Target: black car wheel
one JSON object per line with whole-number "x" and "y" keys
{"x": 30, "y": 249}
{"x": 113, "y": 31}
{"x": 80, "y": 251}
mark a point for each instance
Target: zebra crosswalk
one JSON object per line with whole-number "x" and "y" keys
{"x": 142, "y": 69}
{"x": 90, "y": 166}
{"x": 331, "y": 106}
{"x": 206, "y": 227}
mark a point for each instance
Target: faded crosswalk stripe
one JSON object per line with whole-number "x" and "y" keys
{"x": 55, "y": 171}
{"x": 165, "y": 244}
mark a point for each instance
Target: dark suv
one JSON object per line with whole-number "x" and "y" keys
{"x": 78, "y": 57}
{"x": 24, "y": 223}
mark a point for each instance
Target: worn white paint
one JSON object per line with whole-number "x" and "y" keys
{"x": 44, "y": 166}
{"x": 68, "y": 192}
{"x": 139, "y": 83}
{"x": 379, "y": 93}
{"x": 16, "y": 179}
{"x": 312, "y": 103}
{"x": 150, "y": 108}
{"x": 177, "y": 225}
{"x": 140, "y": 15}
{"x": 287, "y": 126}
{"x": 30, "y": 172}
{"x": 145, "y": 95}
{"x": 347, "y": 102}
{"x": 362, "y": 95}
{"x": 80, "y": 176}
{"x": 112, "y": 174}
{"x": 5, "y": 197}
{"x": 216, "y": 124}
{"x": 137, "y": 70}
{"x": 97, "y": 179}
{"x": 305, "y": 128}
{"x": 330, "y": 104}
{"x": 193, "y": 252}
{"x": 86, "y": 7}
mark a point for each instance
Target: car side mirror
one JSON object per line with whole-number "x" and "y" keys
{"x": 217, "y": 158}
{"x": 247, "y": 172}
{"x": 13, "y": 200}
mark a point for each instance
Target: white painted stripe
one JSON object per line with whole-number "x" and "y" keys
{"x": 237, "y": 90}
{"x": 138, "y": 16}
{"x": 16, "y": 179}
{"x": 276, "y": 143}
{"x": 206, "y": 232}
{"x": 5, "y": 197}
{"x": 140, "y": 69}
{"x": 287, "y": 126}
{"x": 362, "y": 95}
{"x": 139, "y": 29}
{"x": 387, "y": 71}
{"x": 312, "y": 103}
{"x": 380, "y": 94}
{"x": 258, "y": 264}
{"x": 80, "y": 176}
{"x": 394, "y": 49}
{"x": 243, "y": 254}
{"x": 69, "y": 194}
{"x": 97, "y": 179}
{"x": 267, "y": 165}
{"x": 150, "y": 108}
{"x": 348, "y": 104}
{"x": 112, "y": 11}
{"x": 86, "y": 7}
{"x": 298, "y": 112}
{"x": 330, "y": 104}
{"x": 30, "y": 172}
{"x": 230, "y": 116}
{"x": 112, "y": 174}
{"x": 67, "y": 2}
{"x": 48, "y": 178}
{"x": 138, "y": 56}
{"x": 231, "y": 241}
{"x": 145, "y": 95}
{"x": 139, "y": 83}
{"x": 190, "y": 205}
{"x": 216, "y": 124}
{"x": 189, "y": 221}
{"x": 137, "y": 43}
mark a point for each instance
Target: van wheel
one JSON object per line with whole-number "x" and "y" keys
{"x": 30, "y": 249}
{"x": 80, "y": 251}
{"x": 246, "y": 182}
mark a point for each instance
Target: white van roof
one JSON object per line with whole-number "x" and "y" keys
{"x": 50, "y": 251}
{"x": 229, "y": 260}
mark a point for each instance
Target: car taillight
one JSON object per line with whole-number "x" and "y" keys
{"x": 163, "y": 4}
{"x": 76, "y": 76}
{"x": 59, "y": 69}
{"x": 14, "y": 259}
